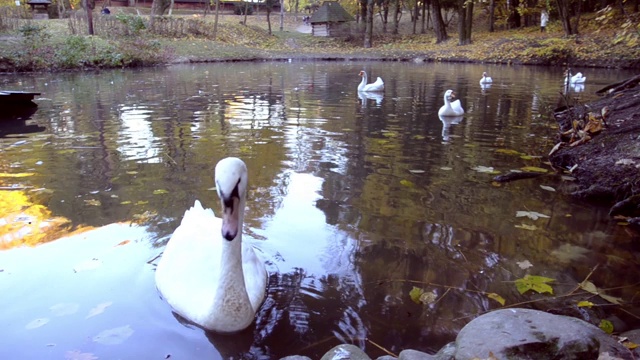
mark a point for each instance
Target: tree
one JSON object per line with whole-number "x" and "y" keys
{"x": 158, "y": 8}
{"x": 269, "y": 4}
{"x": 89, "y": 5}
{"x": 465, "y": 20}
{"x": 564, "y": 8}
{"x": 492, "y": 14}
{"x": 368, "y": 32}
{"x": 438, "y": 24}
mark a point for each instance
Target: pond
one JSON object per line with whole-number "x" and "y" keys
{"x": 356, "y": 203}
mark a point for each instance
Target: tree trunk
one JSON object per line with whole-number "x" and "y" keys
{"x": 396, "y": 17}
{"x": 384, "y": 15}
{"x": 514, "y": 16}
{"x": 492, "y": 15}
{"x": 577, "y": 22}
{"x": 363, "y": 15}
{"x": 215, "y": 20}
{"x": 89, "y": 5}
{"x": 281, "y": 15}
{"x": 438, "y": 24}
{"x": 464, "y": 22}
{"x": 416, "y": 13}
{"x": 158, "y": 8}
{"x": 368, "y": 32}
{"x": 246, "y": 10}
{"x": 425, "y": 17}
{"x": 565, "y": 17}
{"x": 269, "y": 19}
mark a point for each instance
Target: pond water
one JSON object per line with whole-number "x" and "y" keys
{"x": 353, "y": 202}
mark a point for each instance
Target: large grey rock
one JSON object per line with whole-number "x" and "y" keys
{"x": 414, "y": 355}
{"x": 345, "y": 352}
{"x": 531, "y": 334}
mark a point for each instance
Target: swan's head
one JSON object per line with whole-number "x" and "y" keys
{"x": 449, "y": 95}
{"x": 362, "y": 73}
{"x": 484, "y": 74}
{"x": 231, "y": 184}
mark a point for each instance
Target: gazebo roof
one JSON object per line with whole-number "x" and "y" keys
{"x": 330, "y": 11}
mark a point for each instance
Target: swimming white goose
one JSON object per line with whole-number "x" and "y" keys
{"x": 575, "y": 79}
{"x": 206, "y": 273}
{"x": 485, "y": 79}
{"x": 450, "y": 108}
{"x": 378, "y": 85}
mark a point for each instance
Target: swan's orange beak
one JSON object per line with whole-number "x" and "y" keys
{"x": 453, "y": 95}
{"x": 231, "y": 219}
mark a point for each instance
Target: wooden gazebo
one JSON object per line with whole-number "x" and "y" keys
{"x": 330, "y": 20}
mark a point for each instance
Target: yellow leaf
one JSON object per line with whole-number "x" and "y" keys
{"x": 160, "y": 191}
{"x": 526, "y": 227}
{"x": 630, "y": 345}
{"x": 606, "y": 326}
{"x": 497, "y": 298}
{"x": 508, "y": 152}
{"x": 16, "y": 175}
{"x": 407, "y": 183}
{"x": 534, "y": 169}
{"x": 585, "y": 304}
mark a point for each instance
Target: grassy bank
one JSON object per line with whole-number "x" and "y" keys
{"x": 124, "y": 39}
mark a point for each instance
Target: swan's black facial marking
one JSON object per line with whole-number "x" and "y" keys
{"x": 230, "y": 212}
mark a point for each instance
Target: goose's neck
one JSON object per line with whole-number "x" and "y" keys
{"x": 363, "y": 82}
{"x": 231, "y": 282}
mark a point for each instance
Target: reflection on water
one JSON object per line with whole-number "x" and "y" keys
{"x": 354, "y": 200}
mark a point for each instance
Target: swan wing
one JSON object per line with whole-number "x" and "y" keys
{"x": 378, "y": 85}
{"x": 255, "y": 275}
{"x": 456, "y": 106}
{"x": 190, "y": 260}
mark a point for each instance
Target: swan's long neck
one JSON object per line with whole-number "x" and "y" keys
{"x": 447, "y": 103}
{"x": 363, "y": 82}
{"x": 231, "y": 293}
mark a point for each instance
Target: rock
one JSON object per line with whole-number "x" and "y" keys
{"x": 533, "y": 334}
{"x": 414, "y": 355}
{"x": 345, "y": 352}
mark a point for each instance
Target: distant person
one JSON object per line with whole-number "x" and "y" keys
{"x": 105, "y": 11}
{"x": 544, "y": 19}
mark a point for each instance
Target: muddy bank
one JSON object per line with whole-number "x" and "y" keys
{"x": 599, "y": 146}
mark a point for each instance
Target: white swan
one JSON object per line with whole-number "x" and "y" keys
{"x": 450, "y": 108}
{"x": 575, "y": 79}
{"x": 378, "y": 85}
{"x": 485, "y": 79}
{"x": 206, "y": 273}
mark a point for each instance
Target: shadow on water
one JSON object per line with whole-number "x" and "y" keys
{"x": 13, "y": 120}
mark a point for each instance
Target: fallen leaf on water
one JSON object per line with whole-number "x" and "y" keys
{"x": 93, "y": 202}
{"x": 524, "y": 264}
{"x": 535, "y": 283}
{"x": 16, "y": 175}
{"x": 63, "y": 309}
{"x": 86, "y": 265}
{"x": 114, "y": 336}
{"x": 417, "y": 171}
{"x": 34, "y": 324}
{"x": 415, "y": 294}
{"x": 485, "y": 169}
{"x": 160, "y": 191}
{"x": 126, "y": 202}
{"x": 407, "y": 183}
{"x": 99, "y": 309}
{"x": 77, "y": 355}
{"x": 526, "y": 227}
{"x": 124, "y": 242}
{"x": 531, "y": 215}
{"x": 508, "y": 152}
{"x": 132, "y": 172}
{"x": 548, "y": 188}
{"x": 534, "y": 169}
{"x": 446, "y": 168}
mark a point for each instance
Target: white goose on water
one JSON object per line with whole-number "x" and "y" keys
{"x": 378, "y": 85}
{"x": 450, "y": 108}
{"x": 206, "y": 273}
{"x": 485, "y": 79}
{"x": 575, "y": 79}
